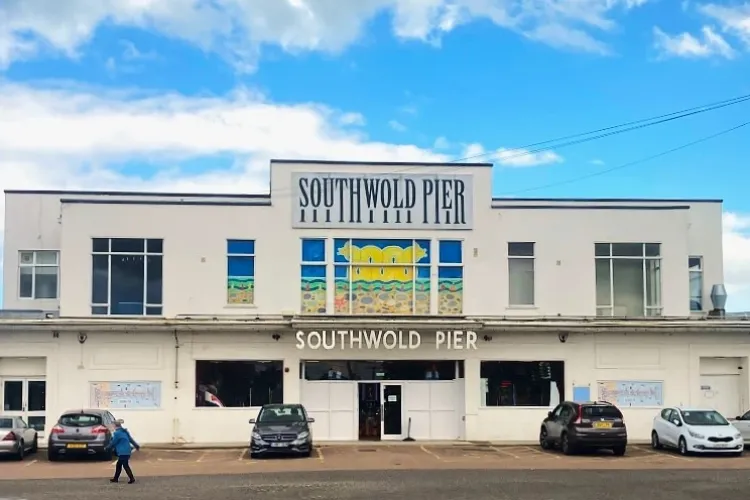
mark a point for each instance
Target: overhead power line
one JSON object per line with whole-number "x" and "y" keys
{"x": 530, "y": 149}
{"x": 631, "y": 163}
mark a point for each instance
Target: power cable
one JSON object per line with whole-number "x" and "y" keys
{"x": 633, "y": 125}
{"x": 631, "y": 163}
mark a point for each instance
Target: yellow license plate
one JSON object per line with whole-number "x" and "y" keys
{"x": 76, "y": 446}
{"x": 602, "y": 425}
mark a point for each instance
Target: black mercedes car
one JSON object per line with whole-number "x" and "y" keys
{"x": 281, "y": 429}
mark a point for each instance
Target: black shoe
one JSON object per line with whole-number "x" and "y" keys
{"x": 131, "y": 481}
{"x": 113, "y": 480}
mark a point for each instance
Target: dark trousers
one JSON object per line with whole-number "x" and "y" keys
{"x": 123, "y": 463}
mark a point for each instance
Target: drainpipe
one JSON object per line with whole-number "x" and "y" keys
{"x": 175, "y": 406}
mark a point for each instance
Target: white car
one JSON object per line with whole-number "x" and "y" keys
{"x": 696, "y": 430}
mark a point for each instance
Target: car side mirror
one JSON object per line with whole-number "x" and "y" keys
{"x": 251, "y": 421}
{"x": 676, "y": 422}
{"x": 310, "y": 420}
{"x": 738, "y": 418}
{"x": 549, "y": 414}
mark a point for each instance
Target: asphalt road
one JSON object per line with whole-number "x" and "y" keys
{"x": 415, "y": 485}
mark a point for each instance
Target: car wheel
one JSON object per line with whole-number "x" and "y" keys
{"x": 682, "y": 446}
{"x": 655, "y": 443}
{"x": 52, "y": 456}
{"x": 544, "y": 439}
{"x": 35, "y": 445}
{"x": 619, "y": 450}
{"x": 565, "y": 445}
{"x": 21, "y": 450}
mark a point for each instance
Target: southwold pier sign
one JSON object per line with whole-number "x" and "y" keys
{"x": 377, "y": 201}
{"x": 329, "y": 340}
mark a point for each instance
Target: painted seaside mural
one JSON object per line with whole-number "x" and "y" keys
{"x": 240, "y": 272}
{"x": 382, "y": 276}
{"x": 313, "y": 282}
{"x": 450, "y": 278}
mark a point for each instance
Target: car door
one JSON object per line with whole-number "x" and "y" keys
{"x": 566, "y": 416}
{"x": 743, "y": 425}
{"x": 552, "y": 424}
{"x": 27, "y": 432}
{"x": 660, "y": 425}
{"x": 673, "y": 431}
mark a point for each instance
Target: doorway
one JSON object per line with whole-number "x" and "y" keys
{"x": 393, "y": 419}
{"x": 26, "y": 398}
{"x": 369, "y": 411}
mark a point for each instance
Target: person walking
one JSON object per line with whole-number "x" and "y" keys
{"x": 122, "y": 443}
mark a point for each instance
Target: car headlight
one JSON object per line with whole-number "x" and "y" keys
{"x": 738, "y": 436}
{"x": 256, "y": 436}
{"x": 695, "y": 434}
{"x": 303, "y": 435}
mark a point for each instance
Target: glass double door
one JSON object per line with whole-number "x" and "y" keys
{"x": 26, "y": 398}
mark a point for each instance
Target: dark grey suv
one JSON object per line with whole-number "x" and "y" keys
{"x": 584, "y": 426}
{"x": 281, "y": 429}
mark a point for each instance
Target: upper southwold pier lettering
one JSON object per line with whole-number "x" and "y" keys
{"x": 383, "y": 339}
{"x": 425, "y": 201}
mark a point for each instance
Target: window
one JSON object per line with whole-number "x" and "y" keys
{"x": 282, "y": 415}
{"x": 521, "y": 274}
{"x": 127, "y": 276}
{"x": 238, "y": 384}
{"x": 628, "y": 279}
{"x": 450, "y": 278}
{"x": 381, "y": 276}
{"x": 38, "y": 274}
{"x": 240, "y": 272}
{"x": 313, "y": 277}
{"x": 381, "y": 370}
{"x": 695, "y": 266}
{"x": 522, "y": 383}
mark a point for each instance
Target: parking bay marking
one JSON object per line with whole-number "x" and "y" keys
{"x": 31, "y": 463}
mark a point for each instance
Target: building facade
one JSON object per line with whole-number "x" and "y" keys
{"x": 392, "y": 300}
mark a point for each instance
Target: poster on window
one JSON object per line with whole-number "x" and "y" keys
{"x": 126, "y": 395}
{"x": 631, "y": 393}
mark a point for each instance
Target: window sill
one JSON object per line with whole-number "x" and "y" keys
{"x": 522, "y": 308}
{"x": 230, "y": 408}
{"x": 240, "y": 306}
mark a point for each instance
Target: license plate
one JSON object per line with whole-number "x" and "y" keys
{"x": 602, "y": 425}
{"x": 76, "y": 446}
{"x": 721, "y": 445}
{"x": 278, "y": 445}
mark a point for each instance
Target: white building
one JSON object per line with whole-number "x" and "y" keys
{"x": 447, "y": 312}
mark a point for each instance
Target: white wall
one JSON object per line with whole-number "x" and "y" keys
{"x": 195, "y": 238}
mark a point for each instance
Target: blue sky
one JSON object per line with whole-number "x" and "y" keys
{"x": 198, "y": 95}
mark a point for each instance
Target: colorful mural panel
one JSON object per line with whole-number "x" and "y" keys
{"x": 450, "y": 278}
{"x": 313, "y": 277}
{"x": 375, "y": 276}
{"x": 240, "y": 272}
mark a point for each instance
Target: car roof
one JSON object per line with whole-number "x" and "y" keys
{"x": 590, "y": 403}
{"x": 283, "y": 405}
{"x": 95, "y": 411}
{"x": 682, "y": 408}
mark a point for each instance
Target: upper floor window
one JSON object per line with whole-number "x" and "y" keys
{"x": 521, "y": 274}
{"x": 313, "y": 286}
{"x": 38, "y": 272}
{"x": 628, "y": 279}
{"x": 450, "y": 278}
{"x": 381, "y": 276}
{"x": 695, "y": 266}
{"x": 241, "y": 272}
{"x": 127, "y": 276}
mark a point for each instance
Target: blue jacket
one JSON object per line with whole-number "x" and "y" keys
{"x": 122, "y": 442}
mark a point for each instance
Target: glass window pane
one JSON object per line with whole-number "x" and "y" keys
{"x": 37, "y": 395}
{"x": 342, "y": 250}
{"x": 241, "y": 266}
{"x": 653, "y": 282}
{"x": 627, "y": 249}
{"x": 26, "y": 258}
{"x": 602, "y": 249}
{"x": 313, "y": 271}
{"x": 522, "y": 383}
{"x": 521, "y": 282}
{"x": 696, "y": 291}
{"x": 100, "y": 245}
{"x": 604, "y": 311}
{"x": 46, "y": 257}
{"x": 520, "y": 249}
{"x": 450, "y": 252}
{"x": 694, "y": 263}
{"x": 128, "y": 282}
{"x": 653, "y": 249}
{"x": 155, "y": 246}
{"x": 603, "y": 283}
{"x": 422, "y": 257}
{"x": 13, "y": 395}
{"x": 153, "y": 311}
{"x": 241, "y": 247}
{"x": 627, "y": 277}
{"x": 25, "y": 285}
{"x": 313, "y": 250}
{"x": 154, "y": 279}
{"x": 128, "y": 245}
{"x": 45, "y": 284}
{"x": 100, "y": 279}
{"x": 453, "y": 272}
{"x": 99, "y": 310}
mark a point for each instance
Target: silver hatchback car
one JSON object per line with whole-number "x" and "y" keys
{"x": 17, "y": 438}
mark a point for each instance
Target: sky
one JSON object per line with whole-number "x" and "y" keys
{"x": 198, "y": 95}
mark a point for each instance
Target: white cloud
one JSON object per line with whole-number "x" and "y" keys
{"x": 510, "y": 157}
{"x": 238, "y": 29}
{"x": 733, "y": 19}
{"x": 397, "y": 126}
{"x": 688, "y": 46}
{"x": 737, "y": 260}
{"x": 441, "y": 143}
{"x": 597, "y": 162}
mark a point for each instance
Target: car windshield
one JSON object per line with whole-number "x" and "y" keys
{"x": 703, "y": 417}
{"x": 6, "y": 423}
{"x": 601, "y": 411}
{"x": 281, "y": 415}
{"x": 80, "y": 420}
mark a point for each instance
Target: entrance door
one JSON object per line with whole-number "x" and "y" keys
{"x": 721, "y": 393}
{"x": 26, "y": 398}
{"x": 392, "y": 419}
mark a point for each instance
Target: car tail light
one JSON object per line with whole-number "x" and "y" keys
{"x": 57, "y": 430}
{"x": 10, "y": 437}
{"x": 99, "y": 429}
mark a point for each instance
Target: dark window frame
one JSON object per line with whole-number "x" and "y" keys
{"x": 522, "y": 383}
{"x": 239, "y": 383}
